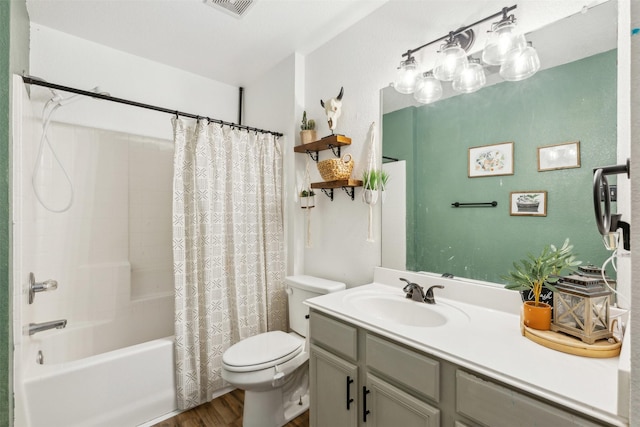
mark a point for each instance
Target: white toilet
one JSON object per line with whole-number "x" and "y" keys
{"x": 272, "y": 368}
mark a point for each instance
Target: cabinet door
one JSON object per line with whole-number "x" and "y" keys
{"x": 385, "y": 405}
{"x": 333, "y": 388}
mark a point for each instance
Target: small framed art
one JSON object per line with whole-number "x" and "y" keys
{"x": 491, "y": 160}
{"x": 559, "y": 156}
{"x": 528, "y": 203}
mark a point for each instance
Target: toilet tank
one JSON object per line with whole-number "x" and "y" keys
{"x": 301, "y": 288}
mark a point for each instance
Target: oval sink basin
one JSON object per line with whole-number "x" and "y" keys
{"x": 403, "y": 311}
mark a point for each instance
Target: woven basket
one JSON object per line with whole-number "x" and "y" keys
{"x": 336, "y": 169}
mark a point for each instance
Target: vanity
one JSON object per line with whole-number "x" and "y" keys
{"x": 380, "y": 359}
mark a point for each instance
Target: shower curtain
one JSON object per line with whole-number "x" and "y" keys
{"x": 228, "y": 248}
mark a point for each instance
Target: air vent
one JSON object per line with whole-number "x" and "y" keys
{"x": 237, "y": 8}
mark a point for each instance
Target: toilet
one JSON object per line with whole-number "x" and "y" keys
{"x": 273, "y": 367}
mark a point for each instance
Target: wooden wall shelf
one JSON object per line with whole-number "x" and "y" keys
{"x": 332, "y": 142}
{"x": 348, "y": 185}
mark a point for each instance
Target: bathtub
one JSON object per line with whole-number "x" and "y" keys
{"x": 124, "y": 387}
{"x": 114, "y": 373}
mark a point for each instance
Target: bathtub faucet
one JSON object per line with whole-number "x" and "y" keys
{"x": 39, "y": 327}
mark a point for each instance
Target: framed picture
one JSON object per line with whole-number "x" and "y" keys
{"x": 491, "y": 160}
{"x": 559, "y": 156}
{"x": 528, "y": 203}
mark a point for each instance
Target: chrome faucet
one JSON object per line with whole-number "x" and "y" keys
{"x": 413, "y": 291}
{"x": 428, "y": 296}
{"x": 417, "y": 293}
{"x": 44, "y": 326}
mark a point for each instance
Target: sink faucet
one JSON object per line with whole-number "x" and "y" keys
{"x": 428, "y": 296}
{"x": 413, "y": 291}
{"x": 39, "y": 327}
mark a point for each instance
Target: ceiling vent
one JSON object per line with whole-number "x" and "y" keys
{"x": 236, "y": 8}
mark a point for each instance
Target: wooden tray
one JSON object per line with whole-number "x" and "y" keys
{"x": 568, "y": 344}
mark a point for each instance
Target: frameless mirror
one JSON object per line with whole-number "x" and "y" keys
{"x": 571, "y": 99}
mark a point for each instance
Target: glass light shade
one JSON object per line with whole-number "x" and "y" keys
{"x": 406, "y": 77}
{"x": 471, "y": 79}
{"x": 520, "y": 65}
{"x": 451, "y": 61}
{"x": 503, "y": 39}
{"x": 428, "y": 89}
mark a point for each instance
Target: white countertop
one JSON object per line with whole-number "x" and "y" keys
{"x": 489, "y": 342}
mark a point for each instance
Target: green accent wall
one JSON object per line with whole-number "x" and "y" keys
{"x": 572, "y": 102}
{"x": 5, "y": 326}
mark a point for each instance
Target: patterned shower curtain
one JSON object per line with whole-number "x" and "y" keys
{"x": 228, "y": 248}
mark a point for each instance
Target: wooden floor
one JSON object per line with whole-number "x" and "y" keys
{"x": 226, "y": 410}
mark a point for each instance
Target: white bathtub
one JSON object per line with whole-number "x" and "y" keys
{"x": 122, "y": 388}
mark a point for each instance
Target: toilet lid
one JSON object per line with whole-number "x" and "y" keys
{"x": 262, "y": 351}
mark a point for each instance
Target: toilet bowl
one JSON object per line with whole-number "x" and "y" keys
{"x": 272, "y": 367}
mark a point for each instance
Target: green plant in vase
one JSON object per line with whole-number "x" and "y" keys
{"x": 535, "y": 272}
{"x": 307, "y": 130}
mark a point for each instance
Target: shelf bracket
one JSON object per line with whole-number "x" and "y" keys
{"x": 351, "y": 191}
{"x": 334, "y": 148}
{"x": 328, "y": 193}
{"x": 313, "y": 155}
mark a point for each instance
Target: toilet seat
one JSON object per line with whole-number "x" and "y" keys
{"x": 262, "y": 351}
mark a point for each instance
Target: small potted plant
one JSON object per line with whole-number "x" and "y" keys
{"x": 533, "y": 273}
{"x": 372, "y": 180}
{"x": 307, "y": 199}
{"x": 308, "y": 130}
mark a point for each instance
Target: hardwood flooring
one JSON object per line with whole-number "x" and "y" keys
{"x": 225, "y": 410}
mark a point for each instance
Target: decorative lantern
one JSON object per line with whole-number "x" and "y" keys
{"x": 581, "y": 308}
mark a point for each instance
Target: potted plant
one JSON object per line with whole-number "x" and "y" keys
{"x": 372, "y": 180}
{"x": 307, "y": 199}
{"x": 308, "y": 130}
{"x": 533, "y": 273}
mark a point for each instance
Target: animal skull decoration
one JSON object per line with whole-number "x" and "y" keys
{"x": 333, "y": 109}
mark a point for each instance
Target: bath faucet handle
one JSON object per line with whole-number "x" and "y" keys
{"x": 428, "y": 296}
{"x": 47, "y": 285}
{"x": 413, "y": 290}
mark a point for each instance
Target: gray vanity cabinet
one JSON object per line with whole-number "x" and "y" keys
{"x": 377, "y": 397}
{"x": 360, "y": 379}
{"x": 333, "y": 397}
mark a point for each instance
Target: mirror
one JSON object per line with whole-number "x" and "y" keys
{"x": 572, "y": 99}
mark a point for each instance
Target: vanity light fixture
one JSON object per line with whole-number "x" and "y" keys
{"x": 506, "y": 46}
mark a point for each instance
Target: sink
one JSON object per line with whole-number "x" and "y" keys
{"x": 403, "y": 311}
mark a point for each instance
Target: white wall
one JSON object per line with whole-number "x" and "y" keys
{"x": 273, "y": 102}
{"x": 71, "y": 61}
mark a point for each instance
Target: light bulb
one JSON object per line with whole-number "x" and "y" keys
{"x": 451, "y": 61}
{"x": 520, "y": 65}
{"x": 503, "y": 39}
{"x": 406, "y": 76}
{"x": 471, "y": 79}
{"x": 428, "y": 89}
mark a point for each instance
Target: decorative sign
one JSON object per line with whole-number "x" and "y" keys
{"x": 559, "y": 156}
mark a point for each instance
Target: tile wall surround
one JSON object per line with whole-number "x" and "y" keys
{"x": 113, "y": 246}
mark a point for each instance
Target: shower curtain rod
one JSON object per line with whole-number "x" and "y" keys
{"x": 37, "y": 82}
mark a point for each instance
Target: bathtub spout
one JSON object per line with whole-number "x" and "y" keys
{"x": 39, "y": 327}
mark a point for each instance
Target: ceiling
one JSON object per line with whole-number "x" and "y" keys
{"x": 192, "y": 36}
